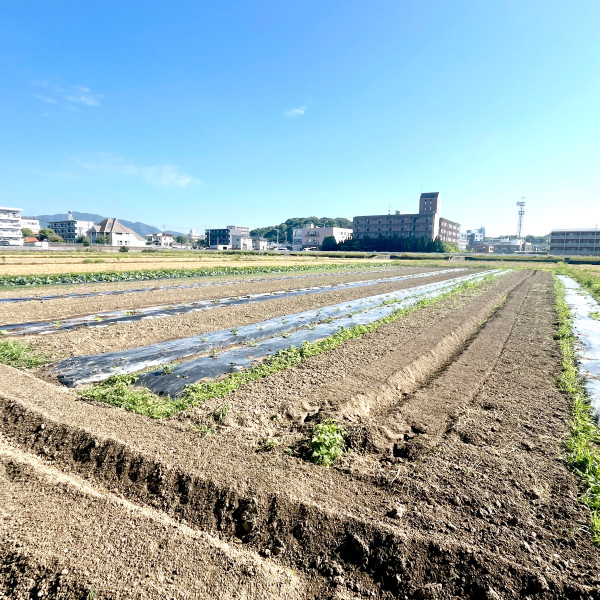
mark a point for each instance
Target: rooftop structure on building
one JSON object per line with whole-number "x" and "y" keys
{"x": 427, "y": 223}
{"x": 575, "y": 242}
{"x": 116, "y": 234}
{"x": 10, "y": 226}
{"x": 70, "y": 229}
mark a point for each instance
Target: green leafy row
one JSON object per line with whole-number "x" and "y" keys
{"x": 583, "y": 443}
{"x": 146, "y": 274}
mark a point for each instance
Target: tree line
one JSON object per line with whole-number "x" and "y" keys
{"x": 389, "y": 244}
{"x": 284, "y": 231}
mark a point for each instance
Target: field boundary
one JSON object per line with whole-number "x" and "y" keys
{"x": 583, "y": 442}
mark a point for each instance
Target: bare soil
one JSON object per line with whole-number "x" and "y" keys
{"x": 455, "y": 486}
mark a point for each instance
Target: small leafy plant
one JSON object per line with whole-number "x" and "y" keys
{"x": 327, "y": 443}
{"x": 271, "y": 444}
{"x": 220, "y": 413}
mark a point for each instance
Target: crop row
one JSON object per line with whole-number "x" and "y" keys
{"x": 162, "y": 311}
{"x": 149, "y": 274}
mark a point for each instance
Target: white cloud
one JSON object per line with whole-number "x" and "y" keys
{"x": 77, "y": 94}
{"x": 161, "y": 175}
{"x": 45, "y": 99}
{"x": 292, "y": 113}
{"x": 83, "y": 95}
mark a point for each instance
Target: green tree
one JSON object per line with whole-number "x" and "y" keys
{"x": 329, "y": 244}
{"x": 83, "y": 239}
{"x": 102, "y": 239}
{"x": 124, "y": 249}
{"x": 26, "y": 232}
{"x": 50, "y": 235}
{"x": 181, "y": 239}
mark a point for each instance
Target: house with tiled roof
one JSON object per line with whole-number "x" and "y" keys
{"x": 115, "y": 234}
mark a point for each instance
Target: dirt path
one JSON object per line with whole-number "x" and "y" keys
{"x": 484, "y": 509}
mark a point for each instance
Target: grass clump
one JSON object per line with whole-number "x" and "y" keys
{"x": 583, "y": 442}
{"x": 19, "y": 355}
{"x": 327, "y": 443}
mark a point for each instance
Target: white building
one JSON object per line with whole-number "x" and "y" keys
{"x": 162, "y": 240}
{"x": 30, "y": 223}
{"x": 260, "y": 244}
{"x": 116, "y": 234}
{"x": 241, "y": 242}
{"x": 312, "y": 237}
{"x": 10, "y": 226}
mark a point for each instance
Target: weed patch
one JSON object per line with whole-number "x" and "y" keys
{"x": 19, "y": 355}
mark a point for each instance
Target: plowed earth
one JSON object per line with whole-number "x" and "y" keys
{"x": 454, "y": 487}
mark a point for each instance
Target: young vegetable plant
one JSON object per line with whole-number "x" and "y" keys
{"x": 327, "y": 443}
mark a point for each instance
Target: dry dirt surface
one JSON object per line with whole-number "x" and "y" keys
{"x": 454, "y": 485}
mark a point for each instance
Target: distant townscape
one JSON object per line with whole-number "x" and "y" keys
{"x": 424, "y": 231}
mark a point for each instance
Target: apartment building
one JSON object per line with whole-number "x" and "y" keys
{"x": 30, "y": 223}
{"x": 70, "y": 229}
{"x": 312, "y": 236}
{"x": 222, "y": 239}
{"x": 426, "y": 223}
{"x": 10, "y": 226}
{"x": 575, "y": 242}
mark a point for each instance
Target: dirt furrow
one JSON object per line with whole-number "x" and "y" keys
{"x": 420, "y": 420}
{"x": 61, "y": 537}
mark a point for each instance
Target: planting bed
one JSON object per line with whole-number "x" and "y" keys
{"x": 451, "y": 481}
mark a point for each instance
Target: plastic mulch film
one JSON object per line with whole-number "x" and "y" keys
{"x": 585, "y": 314}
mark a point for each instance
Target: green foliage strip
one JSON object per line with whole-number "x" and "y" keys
{"x": 145, "y": 274}
{"x": 583, "y": 442}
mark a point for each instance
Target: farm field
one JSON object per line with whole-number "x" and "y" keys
{"x": 83, "y": 262}
{"x": 412, "y": 447}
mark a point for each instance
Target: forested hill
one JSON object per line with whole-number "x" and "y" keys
{"x": 286, "y": 229}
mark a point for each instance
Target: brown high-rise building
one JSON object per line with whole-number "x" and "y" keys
{"x": 426, "y": 223}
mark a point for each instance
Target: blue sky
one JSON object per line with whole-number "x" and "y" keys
{"x": 204, "y": 114}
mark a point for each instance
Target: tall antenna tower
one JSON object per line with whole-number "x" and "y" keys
{"x": 521, "y": 205}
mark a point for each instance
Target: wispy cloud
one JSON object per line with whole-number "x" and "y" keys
{"x": 292, "y": 113}
{"x": 161, "y": 175}
{"x": 45, "y": 99}
{"x": 83, "y": 95}
{"x": 66, "y": 97}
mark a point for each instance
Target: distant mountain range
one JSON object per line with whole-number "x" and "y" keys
{"x": 140, "y": 228}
